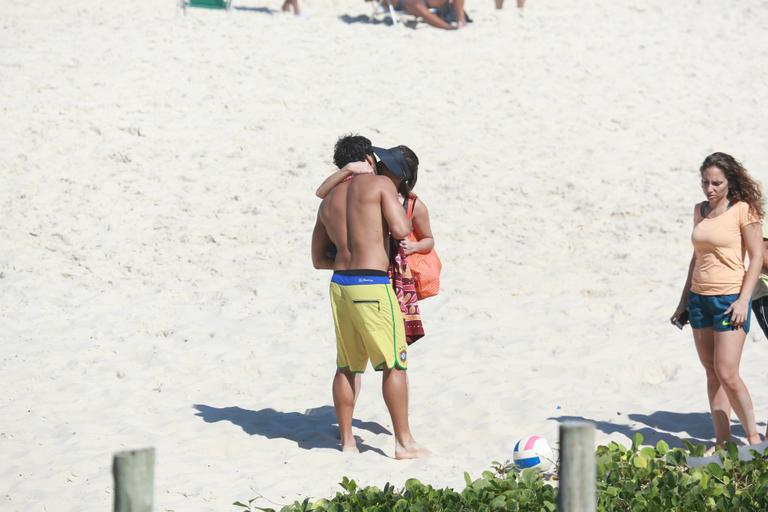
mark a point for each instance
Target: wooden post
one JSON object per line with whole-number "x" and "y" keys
{"x": 577, "y": 492}
{"x": 134, "y": 473}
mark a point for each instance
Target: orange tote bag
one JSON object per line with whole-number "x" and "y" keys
{"x": 425, "y": 268}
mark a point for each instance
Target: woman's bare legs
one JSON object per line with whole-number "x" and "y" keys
{"x": 718, "y": 400}
{"x": 720, "y": 354}
{"x": 728, "y": 348}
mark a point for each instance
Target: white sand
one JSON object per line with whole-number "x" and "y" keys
{"x": 156, "y": 196}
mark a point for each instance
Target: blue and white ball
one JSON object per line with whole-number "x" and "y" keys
{"x": 533, "y": 452}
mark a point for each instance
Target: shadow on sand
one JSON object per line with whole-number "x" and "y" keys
{"x": 663, "y": 425}
{"x": 369, "y": 20}
{"x": 262, "y": 10}
{"x": 315, "y": 428}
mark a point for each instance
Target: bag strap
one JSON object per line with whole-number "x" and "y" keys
{"x": 408, "y": 205}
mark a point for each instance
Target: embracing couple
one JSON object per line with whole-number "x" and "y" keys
{"x": 360, "y": 213}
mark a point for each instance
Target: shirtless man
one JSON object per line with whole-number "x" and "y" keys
{"x": 357, "y": 217}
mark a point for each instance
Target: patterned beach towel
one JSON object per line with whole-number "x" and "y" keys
{"x": 405, "y": 289}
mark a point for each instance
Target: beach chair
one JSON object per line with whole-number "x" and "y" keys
{"x": 385, "y": 7}
{"x": 206, "y": 4}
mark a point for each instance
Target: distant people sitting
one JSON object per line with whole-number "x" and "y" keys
{"x": 500, "y": 4}
{"x": 421, "y": 8}
{"x": 291, "y": 5}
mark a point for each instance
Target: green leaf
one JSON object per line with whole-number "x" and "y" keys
{"x": 498, "y": 502}
{"x": 696, "y": 450}
{"x": 530, "y": 475}
{"x": 467, "y": 479}
{"x": 413, "y": 485}
{"x": 400, "y": 506}
{"x": 321, "y": 504}
{"x": 662, "y": 447}
{"x": 718, "y": 490}
{"x": 715, "y": 469}
{"x": 640, "y": 461}
{"x": 637, "y": 440}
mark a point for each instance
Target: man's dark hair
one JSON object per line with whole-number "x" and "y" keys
{"x": 351, "y": 148}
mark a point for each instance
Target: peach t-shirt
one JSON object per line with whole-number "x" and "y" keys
{"x": 719, "y": 250}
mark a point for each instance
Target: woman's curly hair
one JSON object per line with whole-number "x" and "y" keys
{"x": 741, "y": 186}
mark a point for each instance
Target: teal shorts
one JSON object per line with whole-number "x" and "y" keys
{"x": 709, "y": 311}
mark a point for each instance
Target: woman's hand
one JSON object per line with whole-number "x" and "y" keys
{"x": 739, "y": 312}
{"x": 409, "y": 246}
{"x": 675, "y": 318}
{"x": 358, "y": 168}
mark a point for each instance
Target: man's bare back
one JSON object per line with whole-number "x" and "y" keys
{"x": 357, "y": 217}
{"x": 373, "y": 212}
{"x": 333, "y": 215}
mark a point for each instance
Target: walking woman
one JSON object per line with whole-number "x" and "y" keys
{"x": 717, "y": 291}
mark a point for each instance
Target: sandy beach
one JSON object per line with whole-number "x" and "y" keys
{"x": 157, "y": 194}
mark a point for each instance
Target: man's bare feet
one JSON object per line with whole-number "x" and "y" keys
{"x": 755, "y": 439}
{"x": 410, "y": 451}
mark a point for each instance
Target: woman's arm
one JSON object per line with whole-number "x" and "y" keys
{"x": 342, "y": 174}
{"x": 753, "y": 239}
{"x": 425, "y": 242}
{"x": 683, "y": 304}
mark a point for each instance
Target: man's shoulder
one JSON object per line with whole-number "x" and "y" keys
{"x": 360, "y": 178}
{"x": 337, "y": 196}
{"x": 370, "y": 181}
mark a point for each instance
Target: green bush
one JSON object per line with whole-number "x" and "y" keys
{"x": 658, "y": 479}
{"x": 634, "y": 479}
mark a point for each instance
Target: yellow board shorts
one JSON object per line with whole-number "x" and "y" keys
{"x": 368, "y": 321}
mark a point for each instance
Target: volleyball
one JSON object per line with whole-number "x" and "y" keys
{"x": 533, "y": 452}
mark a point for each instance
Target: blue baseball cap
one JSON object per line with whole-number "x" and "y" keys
{"x": 394, "y": 160}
